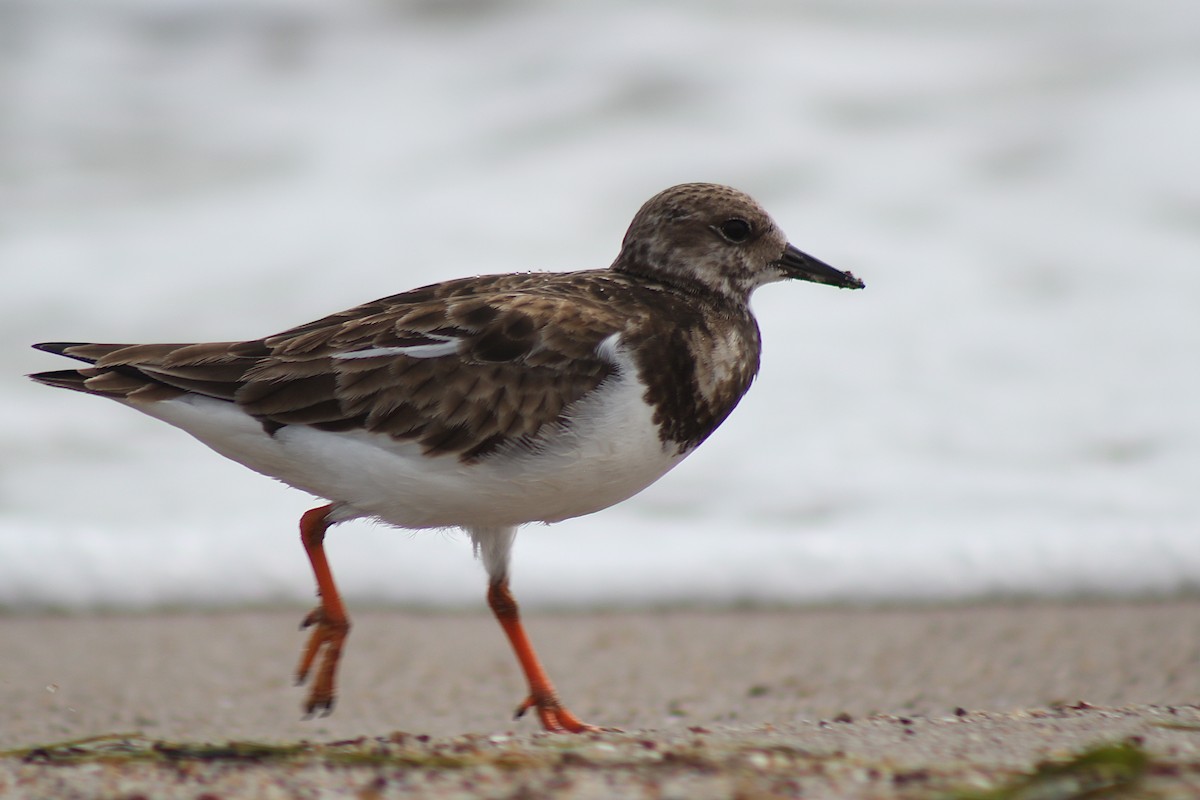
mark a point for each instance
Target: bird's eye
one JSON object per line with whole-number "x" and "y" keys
{"x": 735, "y": 230}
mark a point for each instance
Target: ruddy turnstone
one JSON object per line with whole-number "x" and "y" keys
{"x": 482, "y": 403}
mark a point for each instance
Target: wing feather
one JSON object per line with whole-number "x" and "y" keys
{"x": 527, "y": 348}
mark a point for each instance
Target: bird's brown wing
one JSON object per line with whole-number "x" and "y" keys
{"x": 461, "y": 367}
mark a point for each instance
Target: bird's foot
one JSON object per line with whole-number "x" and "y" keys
{"x": 328, "y": 635}
{"x": 554, "y": 717}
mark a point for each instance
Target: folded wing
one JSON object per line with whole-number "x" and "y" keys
{"x": 459, "y": 367}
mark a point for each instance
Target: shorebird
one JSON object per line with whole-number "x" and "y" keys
{"x": 482, "y": 403}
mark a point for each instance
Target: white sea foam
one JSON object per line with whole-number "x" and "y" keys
{"x": 1009, "y": 408}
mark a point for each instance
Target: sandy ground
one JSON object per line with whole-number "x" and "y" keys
{"x": 949, "y": 696}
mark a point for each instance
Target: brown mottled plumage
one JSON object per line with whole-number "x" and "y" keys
{"x": 483, "y": 402}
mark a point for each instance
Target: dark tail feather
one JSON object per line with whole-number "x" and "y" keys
{"x": 136, "y": 373}
{"x": 63, "y": 379}
{"x": 117, "y": 383}
{"x": 66, "y": 348}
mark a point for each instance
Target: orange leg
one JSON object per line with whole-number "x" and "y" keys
{"x": 332, "y": 624}
{"x": 542, "y": 697}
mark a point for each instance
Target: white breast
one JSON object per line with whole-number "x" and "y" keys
{"x": 609, "y": 451}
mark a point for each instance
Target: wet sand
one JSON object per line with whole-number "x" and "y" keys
{"x": 950, "y": 694}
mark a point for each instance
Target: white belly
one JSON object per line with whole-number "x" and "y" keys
{"x": 610, "y": 451}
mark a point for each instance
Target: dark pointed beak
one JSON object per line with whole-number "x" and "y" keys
{"x": 800, "y": 265}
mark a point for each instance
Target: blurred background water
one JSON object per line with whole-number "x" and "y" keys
{"x": 1012, "y": 407}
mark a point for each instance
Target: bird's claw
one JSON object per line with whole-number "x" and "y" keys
{"x": 553, "y": 716}
{"x": 313, "y": 617}
{"x": 315, "y": 708}
{"x": 327, "y": 638}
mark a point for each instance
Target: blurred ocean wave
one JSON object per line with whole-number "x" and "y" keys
{"x": 1010, "y": 407}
